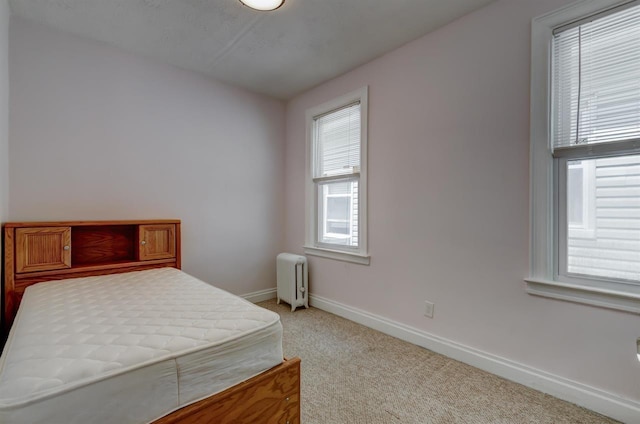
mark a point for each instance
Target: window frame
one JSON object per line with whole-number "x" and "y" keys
{"x": 313, "y": 246}
{"x": 544, "y": 279}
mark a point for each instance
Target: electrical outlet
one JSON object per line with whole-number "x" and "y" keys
{"x": 428, "y": 309}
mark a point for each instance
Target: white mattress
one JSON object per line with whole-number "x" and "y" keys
{"x": 129, "y": 348}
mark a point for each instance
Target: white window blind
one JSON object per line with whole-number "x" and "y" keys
{"x": 338, "y": 142}
{"x": 596, "y": 81}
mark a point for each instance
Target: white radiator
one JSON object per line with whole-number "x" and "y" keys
{"x": 293, "y": 279}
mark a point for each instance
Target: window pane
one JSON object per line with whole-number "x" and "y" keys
{"x": 338, "y": 228}
{"x": 613, "y": 250}
{"x": 338, "y": 207}
{"x": 338, "y": 220}
{"x": 338, "y": 142}
{"x": 596, "y": 80}
{"x": 575, "y": 194}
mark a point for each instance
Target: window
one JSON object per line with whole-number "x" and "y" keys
{"x": 585, "y": 161}
{"x": 336, "y": 179}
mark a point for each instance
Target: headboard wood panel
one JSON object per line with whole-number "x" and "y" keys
{"x": 96, "y": 248}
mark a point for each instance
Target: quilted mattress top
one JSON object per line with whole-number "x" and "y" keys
{"x": 72, "y": 332}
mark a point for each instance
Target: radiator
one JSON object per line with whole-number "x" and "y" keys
{"x": 293, "y": 279}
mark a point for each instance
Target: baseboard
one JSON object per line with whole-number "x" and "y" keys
{"x": 260, "y": 295}
{"x": 605, "y": 403}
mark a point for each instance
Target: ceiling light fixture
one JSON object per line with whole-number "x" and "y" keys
{"x": 264, "y": 5}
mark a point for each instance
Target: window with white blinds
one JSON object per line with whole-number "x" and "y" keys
{"x": 596, "y": 92}
{"x": 336, "y": 140}
{"x": 596, "y": 80}
{"x": 585, "y": 154}
{"x": 336, "y": 182}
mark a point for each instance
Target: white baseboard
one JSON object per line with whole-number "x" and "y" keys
{"x": 260, "y": 296}
{"x": 605, "y": 403}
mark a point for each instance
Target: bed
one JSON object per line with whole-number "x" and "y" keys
{"x": 104, "y": 327}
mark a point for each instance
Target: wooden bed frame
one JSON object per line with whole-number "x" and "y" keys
{"x": 36, "y": 252}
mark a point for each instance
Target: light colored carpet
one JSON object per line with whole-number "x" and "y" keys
{"x": 354, "y": 375}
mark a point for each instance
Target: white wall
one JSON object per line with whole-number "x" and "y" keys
{"x": 4, "y": 114}
{"x": 4, "y": 111}
{"x": 97, "y": 133}
{"x": 449, "y": 204}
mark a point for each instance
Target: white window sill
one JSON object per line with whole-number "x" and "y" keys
{"x": 605, "y": 298}
{"x": 339, "y": 255}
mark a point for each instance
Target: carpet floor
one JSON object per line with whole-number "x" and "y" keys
{"x": 355, "y": 375}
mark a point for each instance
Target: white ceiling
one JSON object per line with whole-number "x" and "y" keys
{"x": 280, "y": 53}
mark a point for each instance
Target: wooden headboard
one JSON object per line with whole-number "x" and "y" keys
{"x": 43, "y": 251}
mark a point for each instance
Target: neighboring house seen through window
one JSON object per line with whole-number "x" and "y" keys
{"x": 581, "y": 196}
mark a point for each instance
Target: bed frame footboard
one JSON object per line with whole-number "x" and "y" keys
{"x": 268, "y": 398}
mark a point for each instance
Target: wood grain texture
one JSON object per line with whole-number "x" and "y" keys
{"x": 102, "y": 244}
{"x": 9, "y": 306}
{"x": 156, "y": 241}
{"x": 88, "y": 223}
{"x": 272, "y": 397}
{"x": 178, "y": 246}
{"x": 42, "y": 248}
{"x": 115, "y": 267}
